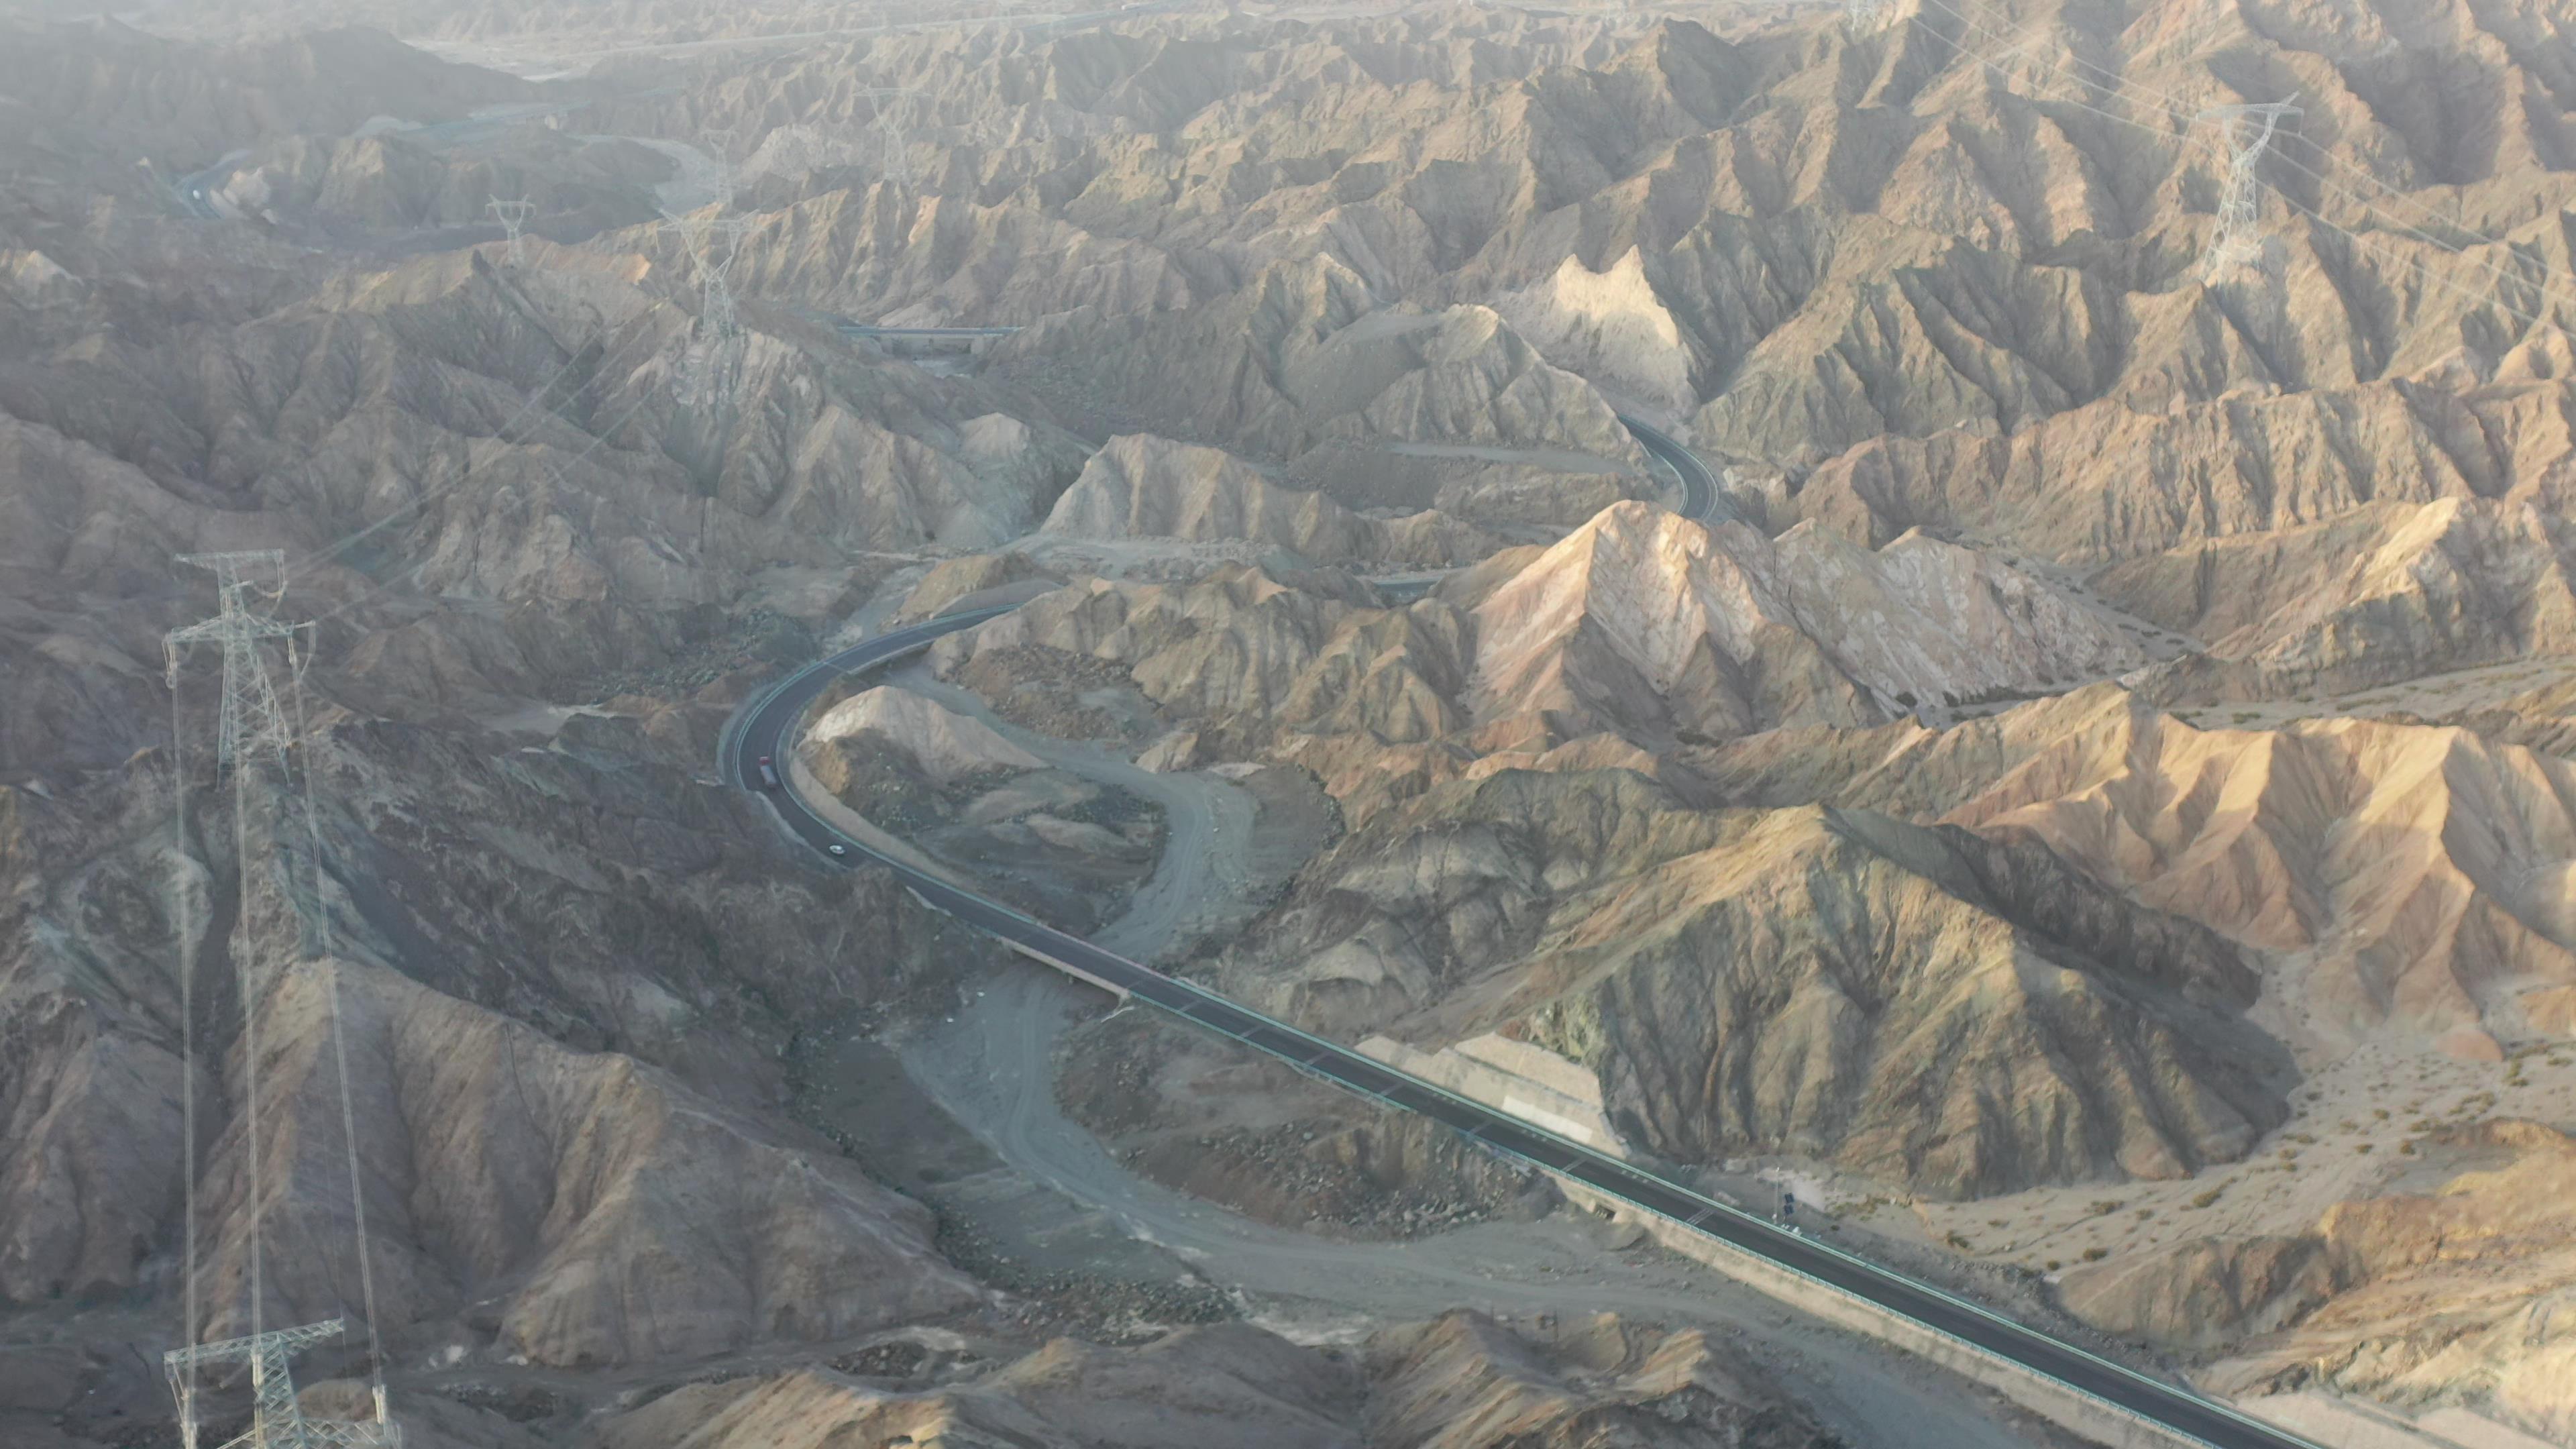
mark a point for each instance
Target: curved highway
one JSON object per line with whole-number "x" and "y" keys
{"x": 767, "y": 730}
{"x": 1699, "y": 485}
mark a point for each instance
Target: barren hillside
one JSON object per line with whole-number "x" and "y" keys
{"x": 2079, "y": 787}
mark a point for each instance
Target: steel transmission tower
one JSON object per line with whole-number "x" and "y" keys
{"x": 251, "y": 720}
{"x": 513, "y": 216}
{"x": 2248, "y": 130}
{"x": 890, "y": 105}
{"x": 254, "y": 728}
{"x": 1864, "y": 16}
{"x": 712, "y": 242}
{"x": 277, "y": 1420}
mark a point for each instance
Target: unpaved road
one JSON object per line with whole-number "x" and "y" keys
{"x": 991, "y": 1068}
{"x": 1204, "y": 881}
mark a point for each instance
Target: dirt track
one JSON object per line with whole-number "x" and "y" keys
{"x": 1061, "y": 1202}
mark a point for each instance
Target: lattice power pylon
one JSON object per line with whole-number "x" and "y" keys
{"x": 251, "y": 720}
{"x": 712, "y": 242}
{"x": 277, "y": 1420}
{"x": 513, "y": 216}
{"x": 255, "y": 729}
{"x": 891, "y": 106}
{"x": 2249, "y": 130}
{"x": 1864, "y": 16}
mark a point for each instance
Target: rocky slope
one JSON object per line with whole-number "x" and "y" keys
{"x": 2405, "y": 871}
{"x": 1642, "y": 621}
{"x": 389, "y": 183}
{"x": 2378, "y": 595}
{"x": 1463, "y": 1380}
{"x": 1303, "y": 355}
{"x": 2450, "y": 1286}
{"x": 1643, "y": 792}
{"x": 1061, "y": 847}
{"x": 1918, "y": 1005}
{"x": 1139, "y": 487}
{"x": 582, "y": 1208}
{"x": 2401, "y": 876}
{"x": 185, "y": 104}
{"x": 1639, "y": 624}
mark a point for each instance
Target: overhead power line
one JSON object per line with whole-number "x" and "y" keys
{"x": 253, "y": 735}
{"x": 513, "y": 216}
{"x": 2249, "y": 131}
{"x": 2181, "y": 116}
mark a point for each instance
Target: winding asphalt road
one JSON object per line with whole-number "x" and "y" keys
{"x": 1699, "y": 485}
{"x": 767, "y": 730}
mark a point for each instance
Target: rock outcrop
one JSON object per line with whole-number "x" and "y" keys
{"x": 2378, "y": 595}
{"x": 941, "y": 745}
{"x": 596, "y": 1210}
{"x": 2453, "y": 1289}
{"x": 1230, "y": 1383}
{"x": 1642, "y": 621}
{"x": 1916, "y": 1004}
{"x": 1141, "y": 487}
{"x": 1463, "y": 1380}
{"x": 1609, "y": 326}
{"x": 1639, "y": 624}
{"x": 2411, "y": 873}
{"x": 1304, "y": 355}
{"x": 1060, "y": 846}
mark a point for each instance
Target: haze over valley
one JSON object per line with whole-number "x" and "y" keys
{"x": 1946, "y": 623}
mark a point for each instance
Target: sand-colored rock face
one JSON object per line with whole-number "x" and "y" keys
{"x": 2384, "y": 593}
{"x": 1304, "y": 355}
{"x": 2115, "y": 480}
{"x": 38, "y": 280}
{"x": 1457, "y": 1382}
{"x": 2412, "y": 878}
{"x": 1640, "y": 624}
{"x": 1465, "y": 1381}
{"x": 1609, "y": 326}
{"x": 2403, "y": 881}
{"x": 1239, "y": 645}
{"x": 950, "y": 580}
{"x": 1920, "y": 1005}
{"x": 1642, "y": 619}
{"x": 2453, "y": 1287}
{"x": 1230, "y": 1384}
{"x": 619, "y": 1217}
{"x": 2205, "y": 1293}
{"x": 1139, "y": 486}
{"x": 942, "y": 745}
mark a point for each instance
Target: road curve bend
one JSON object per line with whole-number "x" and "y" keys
{"x": 1699, "y": 484}
{"x": 768, "y": 729}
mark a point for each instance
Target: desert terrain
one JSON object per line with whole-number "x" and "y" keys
{"x": 2072, "y": 773}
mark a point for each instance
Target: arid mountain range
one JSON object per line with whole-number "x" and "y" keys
{"x": 2086, "y": 797}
